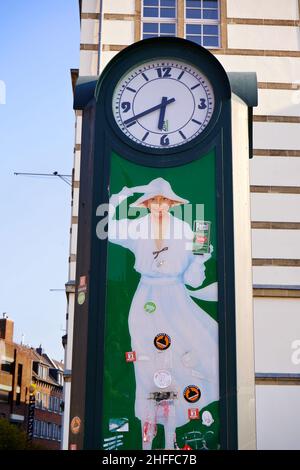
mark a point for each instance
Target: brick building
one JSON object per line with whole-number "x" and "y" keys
{"x": 15, "y": 376}
{"x": 48, "y": 381}
{"x": 23, "y": 370}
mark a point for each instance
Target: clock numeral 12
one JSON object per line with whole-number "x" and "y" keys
{"x": 125, "y": 106}
{"x": 165, "y": 140}
{"x": 164, "y": 72}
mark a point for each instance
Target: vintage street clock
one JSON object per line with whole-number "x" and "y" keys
{"x": 154, "y": 355}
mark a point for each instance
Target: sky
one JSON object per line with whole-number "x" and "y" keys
{"x": 39, "y": 44}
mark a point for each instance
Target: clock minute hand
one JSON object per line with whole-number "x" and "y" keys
{"x": 148, "y": 111}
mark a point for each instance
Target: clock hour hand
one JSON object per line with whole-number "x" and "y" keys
{"x": 148, "y": 111}
{"x": 161, "y": 119}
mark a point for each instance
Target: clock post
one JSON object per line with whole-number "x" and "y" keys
{"x": 162, "y": 345}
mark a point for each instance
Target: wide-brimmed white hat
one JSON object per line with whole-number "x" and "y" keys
{"x": 158, "y": 187}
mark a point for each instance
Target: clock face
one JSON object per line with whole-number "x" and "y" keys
{"x": 163, "y": 103}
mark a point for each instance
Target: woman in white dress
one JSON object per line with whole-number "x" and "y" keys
{"x": 174, "y": 340}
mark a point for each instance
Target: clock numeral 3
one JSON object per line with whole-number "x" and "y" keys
{"x": 202, "y": 104}
{"x": 165, "y": 140}
{"x": 164, "y": 72}
{"x": 125, "y": 106}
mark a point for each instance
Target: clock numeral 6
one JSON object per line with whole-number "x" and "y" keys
{"x": 164, "y": 72}
{"x": 202, "y": 104}
{"x": 125, "y": 106}
{"x": 165, "y": 140}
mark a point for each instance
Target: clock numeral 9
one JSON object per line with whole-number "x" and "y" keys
{"x": 202, "y": 104}
{"x": 125, "y": 106}
{"x": 164, "y": 72}
{"x": 165, "y": 140}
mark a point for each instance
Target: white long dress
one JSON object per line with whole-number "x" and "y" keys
{"x": 192, "y": 358}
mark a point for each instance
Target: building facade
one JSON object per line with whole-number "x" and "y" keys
{"x": 26, "y": 373}
{"x": 15, "y": 376}
{"x": 262, "y": 37}
{"x": 47, "y": 378}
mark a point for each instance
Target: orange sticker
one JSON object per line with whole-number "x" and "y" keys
{"x": 162, "y": 341}
{"x": 192, "y": 393}
{"x": 75, "y": 425}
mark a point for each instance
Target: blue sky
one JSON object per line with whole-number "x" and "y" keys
{"x": 39, "y": 44}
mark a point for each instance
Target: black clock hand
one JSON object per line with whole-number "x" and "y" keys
{"x": 148, "y": 111}
{"x": 162, "y": 113}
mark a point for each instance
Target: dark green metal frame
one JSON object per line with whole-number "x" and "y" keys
{"x": 100, "y": 137}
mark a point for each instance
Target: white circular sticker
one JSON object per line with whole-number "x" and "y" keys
{"x": 162, "y": 378}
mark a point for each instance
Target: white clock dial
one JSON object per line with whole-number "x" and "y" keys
{"x": 163, "y": 103}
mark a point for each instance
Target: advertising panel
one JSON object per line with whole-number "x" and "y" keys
{"x": 161, "y": 333}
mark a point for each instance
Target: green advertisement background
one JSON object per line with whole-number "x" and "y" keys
{"x": 194, "y": 181}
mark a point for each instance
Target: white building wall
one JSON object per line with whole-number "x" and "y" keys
{"x": 88, "y": 63}
{"x": 118, "y": 32}
{"x": 276, "y": 135}
{"x": 276, "y": 333}
{"x": 89, "y": 31}
{"x": 281, "y": 244}
{"x": 91, "y": 6}
{"x": 275, "y": 171}
{"x": 281, "y": 38}
{"x": 276, "y": 319}
{"x": 273, "y": 9}
{"x": 278, "y": 102}
{"x": 278, "y": 417}
{"x": 276, "y": 275}
{"x": 275, "y": 207}
{"x": 119, "y": 6}
{"x": 271, "y": 69}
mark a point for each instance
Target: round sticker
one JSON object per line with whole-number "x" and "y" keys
{"x": 81, "y": 298}
{"x": 149, "y": 307}
{"x": 192, "y": 393}
{"x": 75, "y": 425}
{"x": 162, "y": 341}
{"x": 162, "y": 378}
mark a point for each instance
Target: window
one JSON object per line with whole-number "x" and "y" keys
{"x": 44, "y": 400}
{"x": 59, "y": 433}
{"x": 4, "y": 396}
{"x": 38, "y": 400}
{"x": 159, "y": 9}
{"x": 61, "y": 406}
{"x": 20, "y": 372}
{"x": 37, "y": 428}
{"x": 54, "y": 435}
{"x": 159, "y": 18}
{"x": 202, "y": 22}
{"x": 60, "y": 378}
{"x": 56, "y": 405}
{"x": 50, "y": 430}
{"x": 43, "y": 429}
{"x": 43, "y": 372}
{"x": 7, "y": 366}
